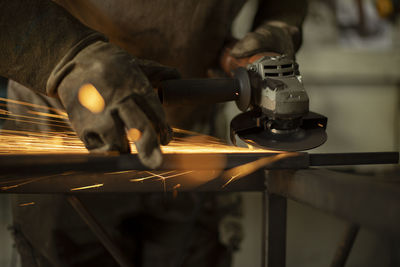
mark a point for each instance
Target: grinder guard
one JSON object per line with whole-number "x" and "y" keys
{"x": 280, "y": 118}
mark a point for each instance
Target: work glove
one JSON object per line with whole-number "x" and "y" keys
{"x": 109, "y": 97}
{"x": 271, "y": 36}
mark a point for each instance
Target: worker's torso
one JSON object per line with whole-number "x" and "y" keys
{"x": 188, "y": 35}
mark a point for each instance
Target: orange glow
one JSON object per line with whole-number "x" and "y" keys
{"x": 90, "y": 98}
{"x": 26, "y": 142}
{"x": 26, "y": 204}
{"x": 177, "y": 186}
{"x": 133, "y": 134}
{"x": 385, "y": 8}
{"x": 175, "y": 190}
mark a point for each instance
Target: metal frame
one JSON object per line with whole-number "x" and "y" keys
{"x": 361, "y": 200}
{"x": 348, "y": 196}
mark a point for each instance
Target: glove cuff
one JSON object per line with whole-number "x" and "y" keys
{"x": 65, "y": 66}
{"x": 271, "y": 36}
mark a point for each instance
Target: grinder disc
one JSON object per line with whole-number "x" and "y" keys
{"x": 308, "y": 136}
{"x": 298, "y": 141}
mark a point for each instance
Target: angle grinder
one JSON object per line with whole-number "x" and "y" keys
{"x": 268, "y": 89}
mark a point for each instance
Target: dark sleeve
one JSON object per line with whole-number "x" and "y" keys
{"x": 291, "y": 12}
{"x": 35, "y": 35}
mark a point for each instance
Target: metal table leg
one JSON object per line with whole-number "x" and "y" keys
{"x": 344, "y": 247}
{"x": 274, "y": 230}
{"x": 99, "y": 231}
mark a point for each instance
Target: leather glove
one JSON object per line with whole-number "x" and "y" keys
{"x": 109, "y": 95}
{"x": 271, "y": 36}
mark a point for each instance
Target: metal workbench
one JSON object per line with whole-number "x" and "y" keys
{"x": 361, "y": 200}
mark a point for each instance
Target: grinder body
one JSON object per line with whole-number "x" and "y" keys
{"x": 270, "y": 93}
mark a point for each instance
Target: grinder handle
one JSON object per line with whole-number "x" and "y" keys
{"x": 209, "y": 91}
{"x": 198, "y": 91}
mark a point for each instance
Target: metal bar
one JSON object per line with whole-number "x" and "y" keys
{"x": 362, "y": 200}
{"x": 276, "y": 239}
{"x": 42, "y": 164}
{"x": 331, "y": 159}
{"x": 345, "y": 245}
{"x": 57, "y": 163}
{"x": 100, "y": 233}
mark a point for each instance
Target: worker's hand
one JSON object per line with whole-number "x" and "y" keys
{"x": 109, "y": 96}
{"x": 273, "y": 36}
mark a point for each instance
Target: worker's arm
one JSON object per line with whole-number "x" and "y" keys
{"x": 104, "y": 90}
{"x": 277, "y": 28}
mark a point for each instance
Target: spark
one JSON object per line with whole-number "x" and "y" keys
{"x": 175, "y": 175}
{"x": 4, "y": 112}
{"x": 63, "y": 121}
{"x": 26, "y": 204}
{"x": 175, "y": 190}
{"x": 161, "y": 177}
{"x": 87, "y": 187}
{"x": 176, "y": 186}
{"x": 152, "y": 175}
{"x": 19, "y": 141}
{"x": 120, "y": 172}
{"x": 231, "y": 179}
{"x": 17, "y": 119}
{"x": 248, "y": 168}
{"x": 64, "y": 140}
{"x": 13, "y": 101}
{"x": 48, "y": 114}
{"x": 27, "y": 142}
{"x": 27, "y": 181}
{"x": 15, "y": 180}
